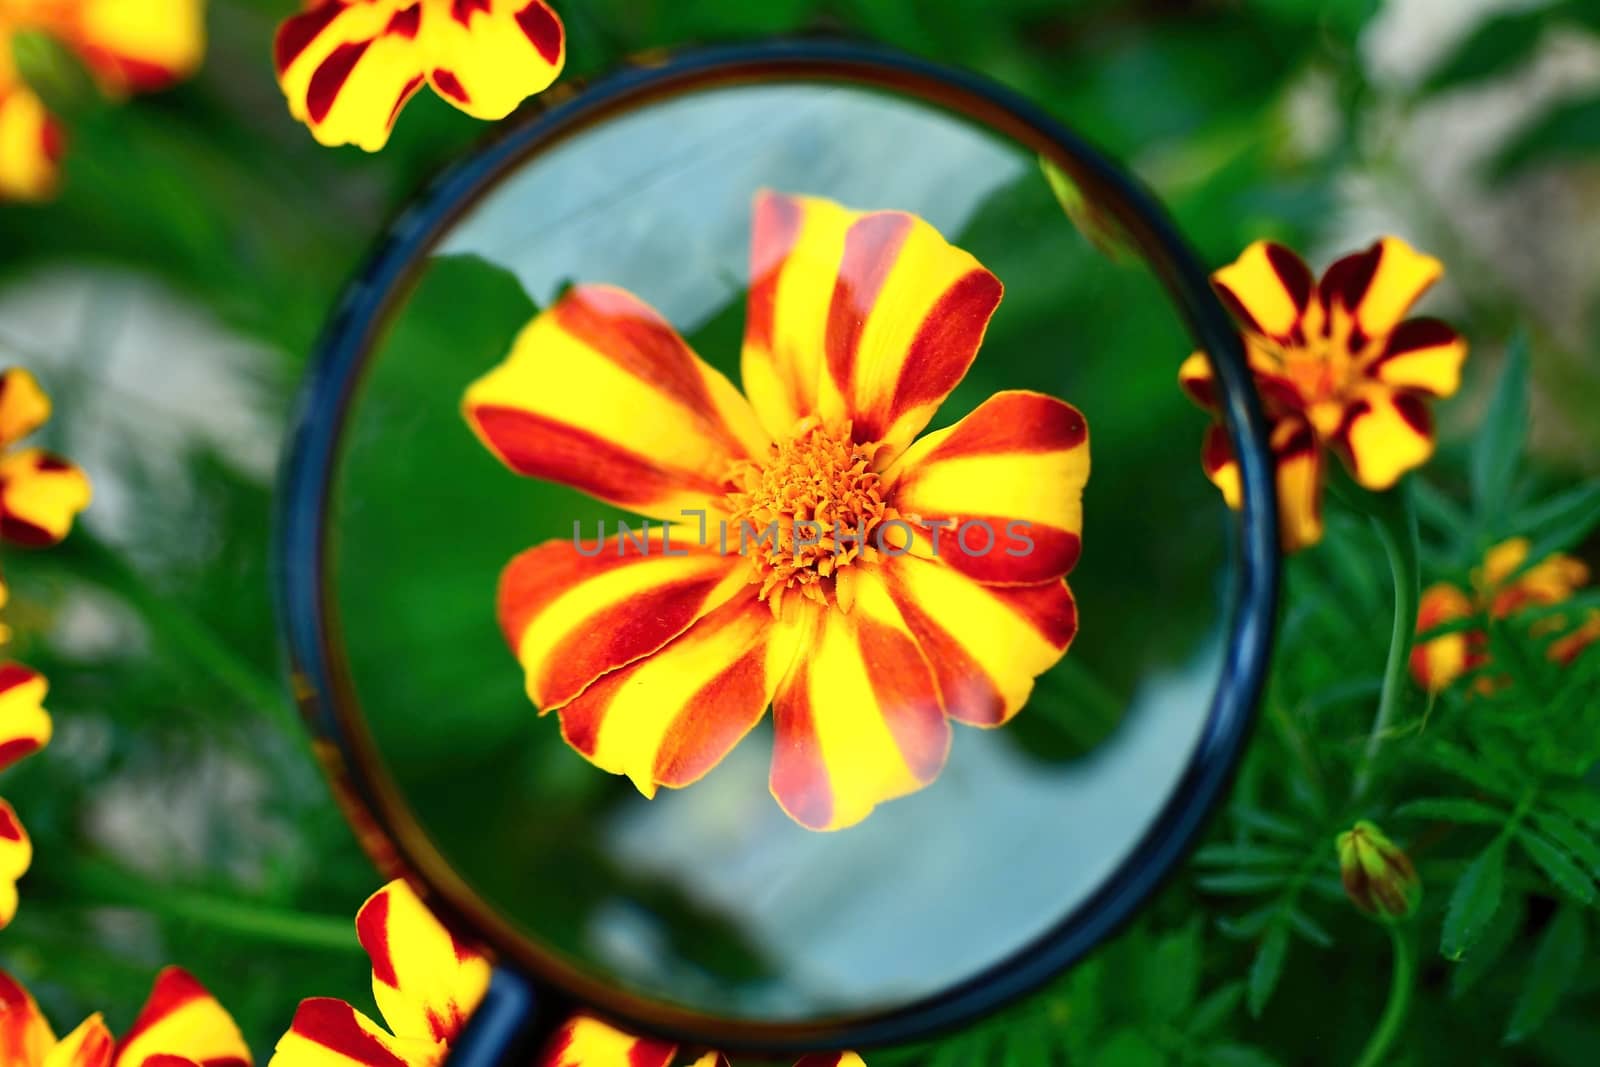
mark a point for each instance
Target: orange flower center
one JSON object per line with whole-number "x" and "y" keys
{"x": 808, "y": 512}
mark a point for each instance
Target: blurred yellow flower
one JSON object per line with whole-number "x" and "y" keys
{"x": 128, "y": 45}
{"x": 588, "y": 1042}
{"x": 24, "y": 730}
{"x": 348, "y": 67}
{"x": 40, "y": 493}
{"x": 1338, "y": 367}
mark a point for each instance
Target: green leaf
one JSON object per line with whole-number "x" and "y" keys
{"x": 1498, "y": 46}
{"x": 1563, "y": 832}
{"x": 1582, "y": 804}
{"x": 1562, "y": 521}
{"x": 1267, "y": 967}
{"x": 1497, "y": 446}
{"x": 1129, "y": 1048}
{"x": 1568, "y": 130}
{"x": 1237, "y": 883}
{"x": 1238, "y": 1056}
{"x": 1474, "y": 901}
{"x": 1468, "y": 766}
{"x": 1452, "y": 809}
{"x": 1556, "y": 963}
{"x": 1246, "y": 855}
{"x": 1215, "y": 1009}
{"x": 1436, "y": 511}
{"x": 1309, "y": 928}
{"x": 1248, "y": 926}
{"x": 1567, "y": 875}
{"x": 1499, "y": 935}
{"x": 1267, "y": 824}
{"x": 1173, "y": 976}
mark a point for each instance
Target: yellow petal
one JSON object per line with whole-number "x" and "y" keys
{"x": 1421, "y": 354}
{"x": 1298, "y": 470}
{"x": 182, "y": 1019}
{"x": 587, "y": 1042}
{"x": 1384, "y": 434}
{"x": 138, "y": 45}
{"x": 16, "y": 856}
{"x": 24, "y": 724}
{"x": 90, "y": 1045}
{"x": 348, "y": 68}
{"x": 330, "y": 1033}
{"x": 31, "y": 144}
{"x": 1377, "y": 287}
{"x": 1267, "y": 288}
{"x": 24, "y": 407}
{"x": 425, "y": 981}
{"x": 25, "y": 1036}
{"x": 1440, "y": 661}
{"x": 40, "y": 495}
{"x": 487, "y": 56}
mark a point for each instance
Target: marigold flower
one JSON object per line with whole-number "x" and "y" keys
{"x": 40, "y": 493}
{"x": 348, "y": 67}
{"x": 24, "y": 730}
{"x": 1338, "y": 367}
{"x": 659, "y": 655}
{"x": 181, "y": 1025}
{"x": 588, "y": 1042}
{"x": 128, "y": 45}
{"x": 1378, "y": 877}
{"x": 425, "y": 982}
{"x": 1499, "y": 591}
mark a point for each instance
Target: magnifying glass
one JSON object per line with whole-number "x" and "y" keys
{"x": 555, "y": 337}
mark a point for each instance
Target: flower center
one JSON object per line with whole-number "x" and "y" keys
{"x": 807, "y": 512}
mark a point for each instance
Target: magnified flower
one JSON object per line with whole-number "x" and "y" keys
{"x": 1501, "y": 588}
{"x": 24, "y": 730}
{"x": 810, "y": 555}
{"x": 587, "y": 1042}
{"x": 181, "y": 1025}
{"x": 1338, "y": 368}
{"x": 425, "y": 982}
{"x": 128, "y": 45}
{"x": 40, "y": 493}
{"x": 348, "y": 67}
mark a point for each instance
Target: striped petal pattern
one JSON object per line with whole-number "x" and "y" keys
{"x": 90, "y": 1045}
{"x": 182, "y": 1021}
{"x": 16, "y": 856}
{"x": 330, "y": 1033}
{"x": 929, "y": 586}
{"x": 31, "y": 144}
{"x": 1336, "y": 358}
{"x": 40, "y": 495}
{"x": 136, "y": 45}
{"x": 1439, "y": 661}
{"x": 25, "y": 1036}
{"x": 348, "y": 67}
{"x": 24, "y": 729}
{"x": 601, "y": 394}
{"x": 587, "y": 1042}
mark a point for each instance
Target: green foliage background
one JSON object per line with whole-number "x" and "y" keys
{"x": 1251, "y": 955}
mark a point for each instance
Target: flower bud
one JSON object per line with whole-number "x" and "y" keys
{"x": 1378, "y": 877}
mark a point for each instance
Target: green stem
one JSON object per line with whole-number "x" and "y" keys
{"x": 101, "y": 884}
{"x": 1400, "y": 986}
{"x": 1395, "y": 519}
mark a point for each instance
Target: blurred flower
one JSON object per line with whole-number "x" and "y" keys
{"x": 586, "y": 1042}
{"x": 1501, "y": 587}
{"x": 1338, "y": 367}
{"x": 1378, "y": 877}
{"x": 348, "y": 67}
{"x": 181, "y": 1025}
{"x": 426, "y": 984}
{"x": 843, "y": 609}
{"x": 40, "y": 493}
{"x": 24, "y": 730}
{"x": 128, "y": 45}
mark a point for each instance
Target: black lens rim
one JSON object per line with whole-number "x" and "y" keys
{"x": 309, "y": 627}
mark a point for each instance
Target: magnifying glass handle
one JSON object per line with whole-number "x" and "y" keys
{"x": 504, "y": 1030}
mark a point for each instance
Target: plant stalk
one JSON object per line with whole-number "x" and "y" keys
{"x": 1400, "y": 987}
{"x": 1395, "y": 520}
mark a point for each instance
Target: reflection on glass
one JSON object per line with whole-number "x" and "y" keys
{"x": 711, "y": 897}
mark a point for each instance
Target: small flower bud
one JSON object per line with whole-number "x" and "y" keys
{"x": 1378, "y": 877}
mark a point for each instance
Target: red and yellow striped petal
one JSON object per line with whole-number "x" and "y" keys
{"x": 488, "y": 56}
{"x": 426, "y": 982}
{"x": 90, "y": 1045}
{"x": 1550, "y": 581}
{"x": 347, "y": 67}
{"x": 1221, "y": 466}
{"x": 31, "y": 144}
{"x": 1008, "y": 480}
{"x": 330, "y": 1033}
{"x": 1268, "y": 289}
{"x": 601, "y": 394}
{"x": 24, "y": 407}
{"x": 1376, "y": 288}
{"x": 671, "y": 717}
{"x": 1437, "y": 662}
{"x": 588, "y": 1042}
{"x": 40, "y": 495}
{"x": 182, "y": 1020}
{"x": 1383, "y": 434}
{"x": 16, "y": 856}
{"x": 1424, "y": 355}
{"x": 985, "y": 643}
{"x": 25, "y": 1036}
{"x": 137, "y": 45}
{"x": 858, "y": 720}
{"x": 572, "y": 616}
{"x": 1569, "y": 647}
{"x": 1297, "y": 468}
{"x": 24, "y": 724}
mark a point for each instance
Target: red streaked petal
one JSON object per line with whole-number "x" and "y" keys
{"x": 29, "y": 146}
{"x": 986, "y": 644}
{"x": 1008, "y": 480}
{"x": 1267, "y": 288}
{"x": 830, "y": 1059}
{"x": 1383, "y": 434}
{"x": 672, "y": 716}
{"x": 137, "y": 45}
{"x": 1221, "y": 466}
{"x": 601, "y": 394}
{"x": 25, "y": 1036}
{"x": 571, "y": 615}
{"x": 587, "y": 1042}
{"x": 40, "y": 495}
{"x": 859, "y": 720}
{"x": 89, "y": 1045}
{"x": 182, "y": 1020}
{"x": 487, "y": 56}
{"x": 16, "y": 856}
{"x": 330, "y": 1033}
{"x": 1299, "y": 480}
{"x": 347, "y": 68}
{"x": 1438, "y": 662}
{"x": 24, "y": 724}
{"x": 1376, "y": 288}
{"x": 426, "y": 982}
